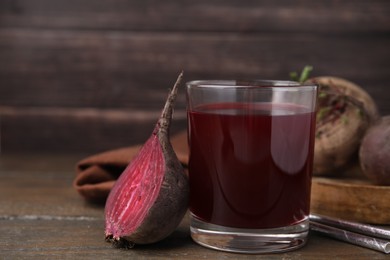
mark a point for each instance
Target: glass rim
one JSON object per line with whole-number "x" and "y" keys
{"x": 251, "y": 84}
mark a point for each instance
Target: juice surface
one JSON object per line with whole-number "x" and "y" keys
{"x": 250, "y": 165}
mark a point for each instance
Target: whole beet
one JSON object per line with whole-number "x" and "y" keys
{"x": 345, "y": 112}
{"x": 374, "y": 153}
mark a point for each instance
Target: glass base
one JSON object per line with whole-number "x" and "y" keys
{"x": 250, "y": 241}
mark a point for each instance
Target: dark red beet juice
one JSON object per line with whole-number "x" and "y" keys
{"x": 250, "y": 165}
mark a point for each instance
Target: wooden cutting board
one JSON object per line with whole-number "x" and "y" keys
{"x": 351, "y": 197}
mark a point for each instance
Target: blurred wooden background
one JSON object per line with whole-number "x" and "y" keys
{"x": 91, "y": 75}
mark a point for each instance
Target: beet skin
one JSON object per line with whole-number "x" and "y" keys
{"x": 374, "y": 152}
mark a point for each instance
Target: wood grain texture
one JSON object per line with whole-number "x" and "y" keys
{"x": 42, "y": 217}
{"x": 78, "y": 130}
{"x": 77, "y": 56}
{"x": 115, "y": 69}
{"x": 351, "y": 200}
{"x": 186, "y": 15}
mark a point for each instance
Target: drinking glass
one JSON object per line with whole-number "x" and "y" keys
{"x": 250, "y": 166}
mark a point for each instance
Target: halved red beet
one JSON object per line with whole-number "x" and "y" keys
{"x": 150, "y": 197}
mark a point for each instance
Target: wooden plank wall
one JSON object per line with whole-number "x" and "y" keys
{"x": 87, "y": 75}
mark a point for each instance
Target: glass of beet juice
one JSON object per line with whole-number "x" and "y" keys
{"x": 250, "y": 167}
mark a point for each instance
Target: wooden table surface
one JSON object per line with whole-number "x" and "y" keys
{"x": 42, "y": 217}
